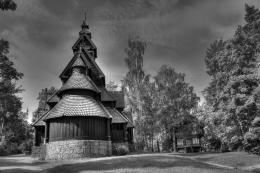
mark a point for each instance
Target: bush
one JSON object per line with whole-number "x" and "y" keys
{"x": 235, "y": 143}
{"x": 213, "y": 143}
{"x": 252, "y": 142}
{"x": 224, "y": 148}
{"x": 26, "y": 147}
{"x": 120, "y": 150}
{"x": 3, "y": 150}
{"x": 256, "y": 150}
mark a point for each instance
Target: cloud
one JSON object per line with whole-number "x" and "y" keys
{"x": 41, "y": 33}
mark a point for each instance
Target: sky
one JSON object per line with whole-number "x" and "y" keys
{"x": 178, "y": 32}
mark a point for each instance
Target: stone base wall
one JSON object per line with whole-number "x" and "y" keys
{"x": 39, "y": 151}
{"x": 119, "y": 144}
{"x": 116, "y": 148}
{"x": 73, "y": 149}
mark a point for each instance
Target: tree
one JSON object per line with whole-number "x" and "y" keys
{"x": 140, "y": 93}
{"x": 7, "y": 5}
{"x": 176, "y": 100}
{"x": 10, "y": 104}
{"x": 135, "y": 76}
{"x": 43, "y": 96}
{"x": 232, "y": 65}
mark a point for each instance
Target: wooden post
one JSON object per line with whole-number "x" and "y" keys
{"x": 35, "y": 137}
{"x": 46, "y": 140}
{"x": 125, "y": 133}
{"x": 108, "y": 129}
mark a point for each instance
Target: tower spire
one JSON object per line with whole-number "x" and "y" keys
{"x": 85, "y": 27}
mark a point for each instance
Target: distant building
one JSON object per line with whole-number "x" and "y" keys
{"x": 85, "y": 119}
{"x": 188, "y": 137}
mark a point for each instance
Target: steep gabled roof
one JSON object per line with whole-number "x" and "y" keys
{"x": 78, "y": 105}
{"x": 69, "y": 65}
{"x": 106, "y": 96}
{"x": 117, "y": 117}
{"x": 93, "y": 63}
{"x": 129, "y": 117}
{"x": 39, "y": 121}
{"x": 84, "y": 38}
{"x": 88, "y": 60}
{"x": 53, "y": 98}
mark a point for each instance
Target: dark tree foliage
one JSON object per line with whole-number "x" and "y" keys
{"x": 7, "y": 5}
{"x": 232, "y": 66}
{"x": 10, "y": 103}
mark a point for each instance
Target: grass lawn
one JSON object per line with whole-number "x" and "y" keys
{"x": 241, "y": 160}
{"x": 154, "y": 163}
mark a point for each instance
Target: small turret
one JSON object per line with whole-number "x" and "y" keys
{"x": 85, "y": 28}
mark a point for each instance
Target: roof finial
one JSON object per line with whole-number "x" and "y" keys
{"x": 84, "y": 25}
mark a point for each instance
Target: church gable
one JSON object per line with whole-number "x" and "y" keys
{"x": 85, "y": 42}
{"x": 66, "y": 72}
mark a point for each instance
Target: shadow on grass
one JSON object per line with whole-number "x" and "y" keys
{"x": 14, "y": 162}
{"x": 196, "y": 154}
{"x": 19, "y": 163}
{"x": 131, "y": 163}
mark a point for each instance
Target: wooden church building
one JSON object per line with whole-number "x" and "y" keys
{"x": 84, "y": 118}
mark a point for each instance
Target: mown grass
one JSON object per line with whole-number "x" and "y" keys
{"x": 152, "y": 163}
{"x": 234, "y": 159}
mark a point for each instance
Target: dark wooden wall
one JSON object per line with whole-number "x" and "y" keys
{"x": 79, "y": 127}
{"x": 130, "y": 136}
{"x": 118, "y": 132}
{"x": 39, "y": 135}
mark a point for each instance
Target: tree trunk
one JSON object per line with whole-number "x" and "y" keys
{"x": 174, "y": 141}
{"x": 158, "y": 146}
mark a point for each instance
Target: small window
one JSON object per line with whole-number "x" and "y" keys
{"x": 188, "y": 142}
{"x": 180, "y": 141}
{"x": 195, "y": 141}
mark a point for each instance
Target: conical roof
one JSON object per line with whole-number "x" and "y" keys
{"x": 78, "y": 105}
{"x": 79, "y": 80}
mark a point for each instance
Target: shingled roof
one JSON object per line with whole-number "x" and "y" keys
{"x": 129, "y": 118}
{"x": 39, "y": 121}
{"x": 117, "y": 117}
{"x": 78, "y": 105}
{"x": 106, "y": 95}
{"x": 53, "y": 98}
{"x": 77, "y": 80}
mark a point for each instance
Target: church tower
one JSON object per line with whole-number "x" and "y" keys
{"x": 84, "y": 119}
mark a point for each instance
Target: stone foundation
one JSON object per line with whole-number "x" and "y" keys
{"x": 116, "y": 145}
{"x": 39, "y": 151}
{"x": 73, "y": 149}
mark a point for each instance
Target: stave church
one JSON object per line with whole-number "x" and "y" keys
{"x": 84, "y": 119}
